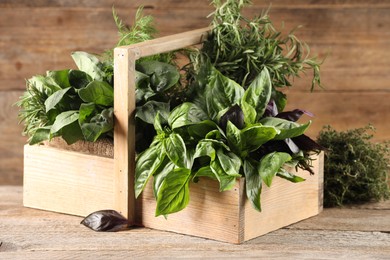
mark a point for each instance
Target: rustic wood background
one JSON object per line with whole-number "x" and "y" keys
{"x": 40, "y": 35}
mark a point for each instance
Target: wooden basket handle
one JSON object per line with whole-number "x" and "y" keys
{"x": 124, "y": 109}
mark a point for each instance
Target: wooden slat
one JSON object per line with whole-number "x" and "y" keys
{"x": 67, "y": 182}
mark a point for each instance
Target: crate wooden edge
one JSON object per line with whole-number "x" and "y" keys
{"x": 66, "y": 181}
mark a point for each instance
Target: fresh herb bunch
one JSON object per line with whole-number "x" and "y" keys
{"x": 356, "y": 170}
{"x": 240, "y": 48}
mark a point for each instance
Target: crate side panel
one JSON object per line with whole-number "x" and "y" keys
{"x": 67, "y": 182}
{"x": 285, "y": 203}
{"x": 210, "y": 213}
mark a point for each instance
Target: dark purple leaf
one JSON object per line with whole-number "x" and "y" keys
{"x": 305, "y": 143}
{"x": 106, "y": 220}
{"x": 234, "y": 115}
{"x": 293, "y": 115}
{"x": 271, "y": 109}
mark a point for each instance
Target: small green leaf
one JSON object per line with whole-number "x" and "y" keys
{"x": 205, "y": 148}
{"x": 270, "y": 165}
{"x": 288, "y": 129}
{"x": 233, "y": 135}
{"x": 175, "y": 149}
{"x": 229, "y": 162}
{"x": 98, "y": 92}
{"x": 72, "y": 133}
{"x": 55, "y": 98}
{"x": 174, "y": 192}
{"x": 85, "y": 111}
{"x": 98, "y": 125}
{"x": 64, "y": 119}
{"x": 205, "y": 172}
{"x": 253, "y": 184}
{"x": 289, "y": 176}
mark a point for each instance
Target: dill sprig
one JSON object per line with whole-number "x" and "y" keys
{"x": 241, "y": 48}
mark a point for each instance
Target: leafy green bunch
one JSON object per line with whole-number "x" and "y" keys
{"x": 75, "y": 104}
{"x": 356, "y": 170}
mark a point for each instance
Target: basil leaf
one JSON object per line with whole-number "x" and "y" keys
{"x": 146, "y": 164}
{"x": 98, "y": 92}
{"x": 226, "y": 182}
{"x": 270, "y": 165}
{"x": 64, "y": 119}
{"x": 205, "y": 172}
{"x": 174, "y": 193}
{"x": 159, "y": 175}
{"x": 89, "y": 64}
{"x": 287, "y": 128}
{"x": 176, "y": 150}
{"x": 205, "y": 148}
{"x": 55, "y": 98}
{"x": 186, "y": 114}
{"x": 233, "y": 135}
{"x": 221, "y": 93}
{"x": 162, "y": 75}
{"x": 229, "y": 162}
{"x": 257, "y": 96}
{"x": 256, "y": 135}
{"x": 234, "y": 115}
{"x": 289, "y": 176}
{"x": 148, "y": 111}
{"x": 253, "y": 184}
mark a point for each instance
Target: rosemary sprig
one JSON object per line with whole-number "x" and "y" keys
{"x": 241, "y": 48}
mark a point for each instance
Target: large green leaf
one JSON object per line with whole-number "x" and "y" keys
{"x": 253, "y": 184}
{"x": 40, "y": 135}
{"x": 52, "y": 101}
{"x": 89, "y": 64}
{"x": 256, "y": 97}
{"x": 159, "y": 175}
{"x": 229, "y": 162}
{"x": 254, "y": 136}
{"x": 221, "y": 93}
{"x": 148, "y": 111}
{"x": 72, "y": 133}
{"x": 86, "y": 111}
{"x": 174, "y": 193}
{"x": 288, "y": 129}
{"x": 59, "y": 78}
{"x": 98, "y": 92}
{"x": 175, "y": 149}
{"x": 270, "y": 165}
{"x": 162, "y": 75}
{"x": 64, "y": 119}
{"x": 186, "y": 114}
{"x": 289, "y": 176}
{"x": 205, "y": 148}
{"x": 146, "y": 165}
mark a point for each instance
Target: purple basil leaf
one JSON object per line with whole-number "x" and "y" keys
{"x": 293, "y": 115}
{"x": 106, "y": 220}
{"x": 305, "y": 143}
{"x": 234, "y": 115}
{"x": 271, "y": 109}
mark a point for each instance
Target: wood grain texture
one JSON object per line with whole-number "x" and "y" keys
{"x": 355, "y": 34}
{"x": 34, "y": 234}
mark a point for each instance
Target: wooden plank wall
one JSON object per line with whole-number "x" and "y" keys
{"x": 40, "y": 35}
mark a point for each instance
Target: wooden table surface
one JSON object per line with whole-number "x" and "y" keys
{"x": 361, "y": 232}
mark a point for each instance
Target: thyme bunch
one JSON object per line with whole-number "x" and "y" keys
{"x": 355, "y": 169}
{"x": 241, "y": 48}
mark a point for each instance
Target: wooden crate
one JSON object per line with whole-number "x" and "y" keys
{"x": 77, "y": 182}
